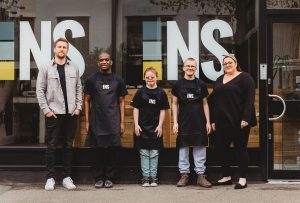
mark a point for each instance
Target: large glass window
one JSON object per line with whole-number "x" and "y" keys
{"x": 163, "y": 33}
{"x": 143, "y": 33}
{"x": 87, "y": 26}
{"x": 147, "y": 33}
{"x": 146, "y": 47}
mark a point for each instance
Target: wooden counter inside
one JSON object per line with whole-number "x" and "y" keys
{"x": 169, "y": 138}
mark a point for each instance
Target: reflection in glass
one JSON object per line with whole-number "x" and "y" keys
{"x": 286, "y": 80}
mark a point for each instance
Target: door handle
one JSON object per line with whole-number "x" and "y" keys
{"x": 283, "y": 103}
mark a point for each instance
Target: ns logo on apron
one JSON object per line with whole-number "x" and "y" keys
{"x": 105, "y": 87}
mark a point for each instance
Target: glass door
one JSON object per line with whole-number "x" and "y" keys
{"x": 284, "y": 100}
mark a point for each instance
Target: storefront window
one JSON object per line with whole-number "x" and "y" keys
{"x": 164, "y": 33}
{"x": 147, "y": 25}
{"x": 145, "y": 48}
{"x": 147, "y": 32}
{"x": 27, "y": 30}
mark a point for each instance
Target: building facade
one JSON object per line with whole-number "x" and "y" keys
{"x": 263, "y": 34}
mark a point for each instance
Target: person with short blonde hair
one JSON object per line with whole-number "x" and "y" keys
{"x": 191, "y": 123}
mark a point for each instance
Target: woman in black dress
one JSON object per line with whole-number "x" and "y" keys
{"x": 233, "y": 115}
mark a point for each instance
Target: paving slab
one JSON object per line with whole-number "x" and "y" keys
{"x": 273, "y": 193}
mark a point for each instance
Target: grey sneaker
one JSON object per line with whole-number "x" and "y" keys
{"x": 99, "y": 184}
{"x": 108, "y": 184}
{"x": 145, "y": 181}
{"x": 202, "y": 181}
{"x": 184, "y": 180}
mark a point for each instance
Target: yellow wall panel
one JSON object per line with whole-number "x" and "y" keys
{"x": 7, "y": 70}
{"x": 155, "y": 64}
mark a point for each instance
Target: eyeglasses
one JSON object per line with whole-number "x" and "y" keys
{"x": 106, "y": 59}
{"x": 189, "y": 66}
{"x": 228, "y": 63}
{"x": 149, "y": 77}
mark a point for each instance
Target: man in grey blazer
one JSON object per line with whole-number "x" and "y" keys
{"x": 59, "y": 93}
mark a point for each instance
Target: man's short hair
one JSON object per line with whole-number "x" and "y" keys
{"x": 61, "y": 39}
{"x": 105, "y": 52}
{"x": 190, "y": 59}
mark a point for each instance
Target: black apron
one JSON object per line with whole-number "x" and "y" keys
{"x": 149, "y": 119}
{"x": 191, "y": 118}
{"x": 105, "y": 112}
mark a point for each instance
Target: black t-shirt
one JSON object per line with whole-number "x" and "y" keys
{"x": 89, "y": 87}
{"x": 62, "y": 78}
{"x": 149, "y": 102}
{"x": 105, "y": 91}
{"x": 192, "y": 86}
{"x": 233, "y": 101}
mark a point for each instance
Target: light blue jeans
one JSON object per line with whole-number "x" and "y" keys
{"x": 149, "y": 162}
{"x": 199, "y": 155}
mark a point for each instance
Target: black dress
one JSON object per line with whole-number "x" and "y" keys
{"x": 149, "y": 102}
{"x": 105, "y": 90}
{"x": 233, "y": 101}
{"x": 191, "y": 117}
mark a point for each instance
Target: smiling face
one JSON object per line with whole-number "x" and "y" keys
{"x": 61, "y": 50}
{"x": 104, "y": 62}
{"x": 150, "y": 78}
{"x": 230, "y": 65}
{"x": 189, "y": 68}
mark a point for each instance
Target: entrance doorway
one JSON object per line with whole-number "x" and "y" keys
{"x": 284, "y": 100}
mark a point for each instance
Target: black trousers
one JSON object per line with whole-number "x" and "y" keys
{"x": 106, "y": 160}
{"x": 239, "y": 137}
{"x": 60, "y": 130}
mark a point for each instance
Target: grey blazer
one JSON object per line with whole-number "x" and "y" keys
{"x": 49, "y": 92}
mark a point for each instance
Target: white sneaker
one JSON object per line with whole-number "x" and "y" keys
{"x": 68, "y": 183}
{"x": 146, "y": 184}
{"x": 50, "y": 184}
{"x": 153, "y": 185}
{"x": 154, "y": 182}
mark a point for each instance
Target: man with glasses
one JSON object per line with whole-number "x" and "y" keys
{"x": 191, "y": 123}
{"x": 104, "y": 103}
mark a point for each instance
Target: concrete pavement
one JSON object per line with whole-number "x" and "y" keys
{"x": 274, "y": 193}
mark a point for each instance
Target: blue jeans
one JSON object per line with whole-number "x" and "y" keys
{"x": 199, "y": 154}
{"x": 149, "y": 162}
